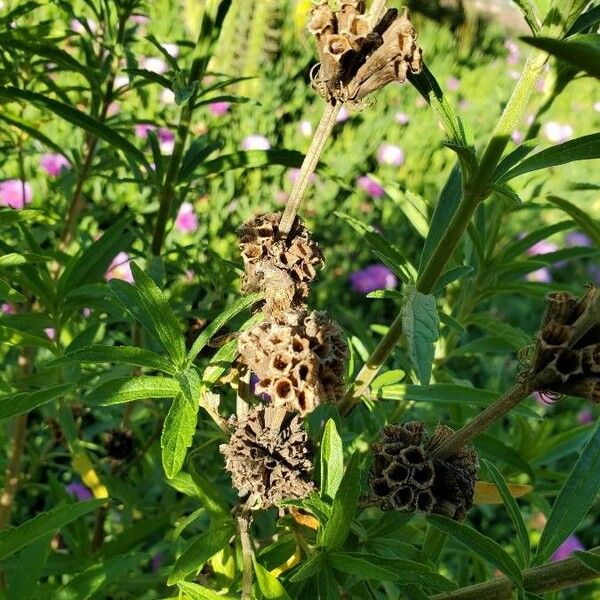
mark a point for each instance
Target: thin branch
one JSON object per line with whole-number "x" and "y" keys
{"x": 538, "y": 580}
{"x": 244, "y": 521}
{"x": 309, "y": 165}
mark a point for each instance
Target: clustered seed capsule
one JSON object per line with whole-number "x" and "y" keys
{"x": 407, "y": 476}
{"x": 269, "y": 456}
{"x": 567, "y": 354}
{"x": 280, "y": 266}
{"x": 359, "y": 55}
{"x": 299, "y": 360}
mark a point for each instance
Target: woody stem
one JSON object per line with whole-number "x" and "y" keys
{"x": 244, "y": 521}
{"x": 309, "y": 165}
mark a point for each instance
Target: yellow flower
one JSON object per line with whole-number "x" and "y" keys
{"x": 301, "y": 14}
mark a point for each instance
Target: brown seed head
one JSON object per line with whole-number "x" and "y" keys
{"x": 269, "y": 457}
{"x": 406, "y": 476}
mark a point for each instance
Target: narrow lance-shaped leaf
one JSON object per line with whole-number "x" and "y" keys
{"x": 332, "y": 461}
{"x": 268, "y": 584}
{"x": 128, "y": 389}
{"x": 574, "y": 499}
{"x": 588, "y": 224}
{"x": 420, "y": 323}
{"x": 19, "y": 404}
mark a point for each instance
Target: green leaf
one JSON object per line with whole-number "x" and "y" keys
{"x": 446, "y": 206}
{"x": 585, "y": 21}
{"x": 528, "y": 9}
{"x": 31, "y": 560}
{"x": 94, "y": 578}
{"x": 332, "y": 461}
{"x": 19, "y": 404}
{"x": 268, "y": 584}
{"x": 14, "y": 259}
{"x": 218, "y": 322}
{"x": 10, "y": 294}
{"x": 165, "y": 324}
{"x": 200, "y": 149}
{"x": 581, "y": 51}
{"x": 590, "y": 559}
{"x": 128, "y": 389}
{"x": 344, "y": 506}
{"x": 574, "y": 499}
{"x": 210, "y": 496}
{"x": 180, "y": 424}
{"x": 199, "y": 592}
{"x": 130, "y": 355}
{"x": 582, "y": 148}
{"x": 523, "y": 548}
{"x": 15, "y": 538}
{"x": 206, "y": 545}
{"x": 379, "y": 568}
{"x": 516, "y": 337}
{"x": 420, "y": 323}
{"x": 481, "y": 545}
{"x": 589, "y": 225}
{"x": 79, "y": 119}
{"x": 309, "y": 567}
{"x": 91, "y": 264}
{"x": 15, "y": 337}
{"x": 451, "y": 276}
{"x": 10, "y": 216}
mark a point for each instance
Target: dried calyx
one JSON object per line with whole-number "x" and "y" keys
{"x": 280, "y": 266}
{"x": 299, "y": 359}
{"x": 406, "y": 476}
{"x": 358, "y": 54}
{"x": 567, "y": 355}
{"x": 269, "y": 456}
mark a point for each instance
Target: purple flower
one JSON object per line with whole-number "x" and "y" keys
{"x": 15, "y": 193}
{"x": 256, "y": 142}
{"x": 343, "y": 115}
{"x": 166, "y": 140}
{"x": 402, "y": 118}
{"x": 120, "y": 268}
{"x": 542, "y": 275}
{"x": 576, "y": 238}
{"x": 557, "y": 132}
{"x": 293, "y": 175}
{"x": 594, "y": 271}
{"x": 370, "y": 186}
{"x": 143, "y": 129}
{"x": 218, "y": 109}
{"x": 186, "y": 221}
{"x": 585, "y": 416}
{"x": 51, "y": 333}
{"x": 570, "y": 545}
{"x": 542, "y": 247}
{"x": 157, "y": 562}
{"x": 8, "y": 309}
{"x": 79, "y": 491}
{"x": 389, "y": 154}
{"x": 53, "y": 164}
{"x": 374, "y": 277}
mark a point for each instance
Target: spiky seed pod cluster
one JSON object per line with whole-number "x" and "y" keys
{"x": 280, "y": 266}
{"x": 118, "y": 443}
{"x": 299, "y": 360}
{"x": 269, "y": 457}
{"x": 359, "y": 55}
{"x": 567, "y": 354}
{"x": 407, "y": 476}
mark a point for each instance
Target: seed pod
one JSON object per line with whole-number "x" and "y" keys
{"x": 269, "y": 457}
{"x": 118, "y": 443}
{"x": 406, "y": 476}
{"x": 299, "y": 359}
{"x": 281, "y": 267}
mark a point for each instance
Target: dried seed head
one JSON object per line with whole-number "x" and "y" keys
{"x": 300, "y": 359}
{"x": 358, "y": 56}
{"x": 406, "y": 476}
{"x": 118, "y": 443}
{"x": 567, "y": 355}
{"x": 269, "y": 457}
{"x": 281, "y": 267}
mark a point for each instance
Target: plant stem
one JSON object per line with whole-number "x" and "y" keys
{"x": 484, "y": 420}
{"x": 309, "y": 165}
{"x": 476, "y": 191}
{"x": 538, "y": 580}
{"x": 244, "y": 521}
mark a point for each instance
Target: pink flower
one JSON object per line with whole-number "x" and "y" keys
{"x": 557, "y": 132}
{"x": 371, "y": 278}
{"x": 79, "y": 491}
{"x": 370, "y": 186}
{"x": 540, "y": 276}
{"x": 402, "y": 118}
{"x": 50, "y": 332}
{"x": 171, "y": 49}
{"x": 218, "y": 109}
{"x": 113, "y": 109}
{"x": 585, "y": 417}
{"x": 517, "y": 137}
{"x": 452, "y": 83}
{"x": 86, "y": 312}
{"x": 293, "y": 175}
{"x": 15, "y": 193}
{"x": 389, "y": 154}
{"x": 119, "y": 268}
{"x": 78, "y": 27}
{"x": 256, "y": 142}
{"x": 570, "y": 545}
{"x": 343, "y": 115}
{"x": 513, "y": 52}
{"x": 53, "y": 164}
{"x": 121, "y": 81}
{"x": 166, "y": 140}
{"x": 154, "y": 64}
{"x": 305, "y": 128}
{"x": 186, "y": 221}
{"x": 139, "y": 19}
{"x": 167, "y": 96}
{"x": 143, "y": 129}
{"x": 8, "y": 309}
{"x": 542, "y": 247}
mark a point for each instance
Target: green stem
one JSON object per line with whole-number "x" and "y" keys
{"x": 476, "y": 191}
{"x": 538, "y": 580}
